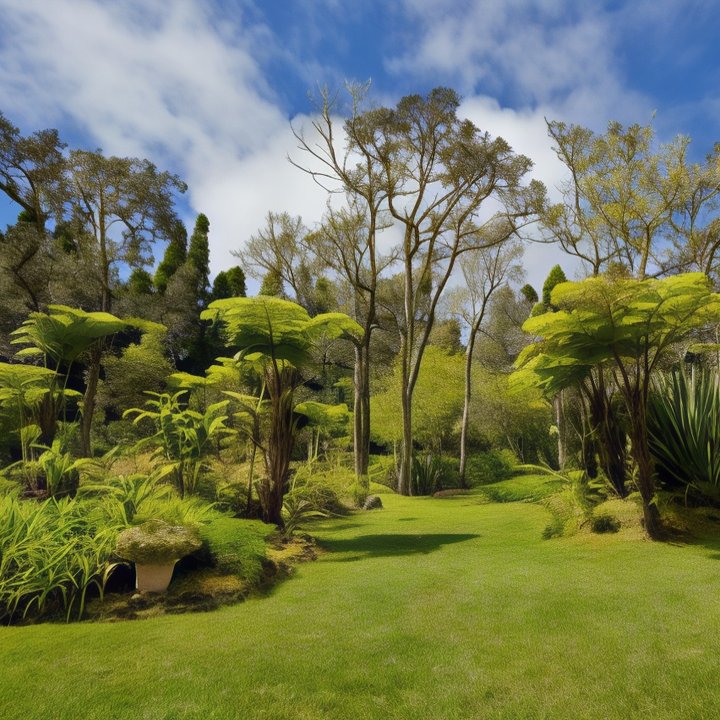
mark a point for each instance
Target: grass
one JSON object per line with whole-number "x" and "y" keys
{"x": 521, "y": 488}
{"x": 428, "y": 609}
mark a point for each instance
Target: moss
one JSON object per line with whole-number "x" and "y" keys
{"x": 156, "y": 541}
{"x": 236, "y": 547}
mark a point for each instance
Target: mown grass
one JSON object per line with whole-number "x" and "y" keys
{"x": 430, "y": 608}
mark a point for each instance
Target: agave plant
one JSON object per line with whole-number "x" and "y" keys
{"x": 684, "y": 430}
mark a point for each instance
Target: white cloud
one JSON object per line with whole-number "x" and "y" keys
{"x": 554, "y": 53}
{"x": 161, "y": 80}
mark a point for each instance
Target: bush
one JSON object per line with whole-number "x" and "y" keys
{"x": 51, "y": 554}
{"x": 382, "y": 471}
{"x": 683, "y": 430}
{"x": 489, "y": 467}
{"x": 604, "y": 523}
{"x": 426, "y": 474}
{"x": 236, "y": 547}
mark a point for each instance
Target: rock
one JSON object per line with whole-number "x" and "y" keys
{"x": 372, "y": 502}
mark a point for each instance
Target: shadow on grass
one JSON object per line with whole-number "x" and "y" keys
{"x": 391, "y": 545}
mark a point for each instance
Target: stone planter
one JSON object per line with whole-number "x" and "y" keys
{"x": 155, "y": 577}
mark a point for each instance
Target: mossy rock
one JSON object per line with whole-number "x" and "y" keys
{"x": 156, "y": 541}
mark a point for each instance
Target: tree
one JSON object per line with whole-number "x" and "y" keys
{"x": 64, "y": 336}
{"x": 345, "y": 243}
{"x": 484, "y": 271}
{"x": 229, "y": 283}
{"x": 437, "y": 171}
{"x": 121, "y": 205}
{"x": 277, "y": 336}
{"x": 348, "y": 239}
{"x": 633, "y": 202}
{"x": 32, "y": 172}
{"x": 198, "y": 256}
{"x": 628, "y": 326}
{"x": 175, "y": 256}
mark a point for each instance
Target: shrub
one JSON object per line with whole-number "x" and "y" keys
{"x": 381, "y": 470}
{"x": 426, "y": 474}
{"x": 235, "y": 546}
{"x": 156, "y": 541}
{"x": 51, "y": 554}
{"x": 359, "y": 493}
{"x": 489, "y": 467}
{"x": 604, "y": 523}
{"x": 684, "y": 428}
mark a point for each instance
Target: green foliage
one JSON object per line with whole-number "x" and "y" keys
{"x": 298, "y": 508}
{"x": 272, "y": 284}
{"x": 198, "y": 256}
{"x": 140, "y": 282}
{"x": 51, "y": 554}
{"x": 528, "y": 488}
{"x": 126, "y": 496}
{"x": 555, "y": 277}
{"x": 604, "y": 523}
{"x": 684, "y": 431}
{"x": 229, "y": 283}
{"x": 175, "y": 256}
{"x": 436, "y": 411}
{"x": 529, "y": 293}
{"x": 236, "y": 546}
{"x": 183, "y": 436}
{"x": 491, "y": 466}
{"x": 276, "y": 329}
{"x": 141, "y": 367}
{"x": 156, "y": 541}
{"x": 425, "y": 474}
{"x": 64, "y": 333}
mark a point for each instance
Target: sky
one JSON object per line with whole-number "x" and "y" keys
{"x": 210, "y": 89}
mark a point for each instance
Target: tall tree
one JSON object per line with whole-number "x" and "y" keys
{"x": 198, "y": 256}
{"x": 277, "y": 336}
{"x": 122, "y": 205}
{"x": 348, "y": 240}
{"x": 628, "y": 326}
{"x": 437, "y": 171}
{"x": 483, "y": 272}
{"x": 173, "y": 259}
{"x": 431, "y": 172}
{"x": 229, "y": 283}
{"x": 632, "y": 201}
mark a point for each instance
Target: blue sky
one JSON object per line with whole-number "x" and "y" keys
{"x": 208, "y": 89}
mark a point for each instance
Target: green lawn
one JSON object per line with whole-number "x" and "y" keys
{"x": 430, "y": 608}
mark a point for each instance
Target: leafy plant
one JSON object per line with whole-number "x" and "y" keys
{"x": 183, "y": 436}
{"x": 426, "y": 475}
{"x": 684, "y": 431}
{"x": 298, "y": 507}
{"x": 51, "y": 554}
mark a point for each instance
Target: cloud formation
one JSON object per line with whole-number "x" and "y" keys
{"x": 200, "y": 87}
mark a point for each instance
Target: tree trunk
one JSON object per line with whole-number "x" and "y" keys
{"x": 559, "y": 407}
{"x": 466, "y": 405}
{"x": 88, "y": 405}
{"x": 280, "y": 384}
{"x": 361, "y": 411}
{"x": 610, "y": 439}
{"x": 645, "y": 472}
{"x": 404, "y": 475}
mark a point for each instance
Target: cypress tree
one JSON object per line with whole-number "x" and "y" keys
{"x": 555, "y": 277}
{"x": 198, "y": 256}
{"x": 175, "y": 256}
